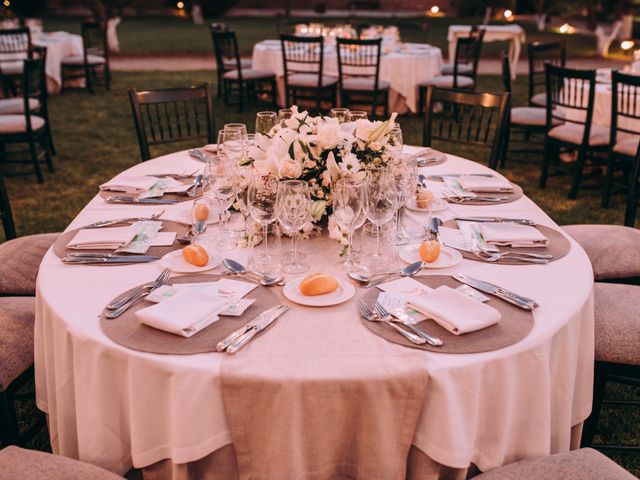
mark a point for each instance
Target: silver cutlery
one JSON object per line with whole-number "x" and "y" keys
{"x": 434, "y": 228}
{"x": 506, "y": 295}
{"x": 369, "y": 315}
{"x": 462, "y": 199}
{"x": 236, "y": 268}
{"x": 123, "y": 221}
{"x": 260, "y": 323}
{"x": 403, "y": 318}
{"x": 440, "y": 178}
{"x": 195, "y": 230}
{"x": 522, "y": 257}
{"x": 198, "y": 155}
{"x": 408, "y": 271}
{"x": 422, "y": 180}
{"x": 116, "y": 260}
{"x": 521, "y": 221}
{"x": 176, "y": 176}
{"x": 196, "y": 183}
{"x": 130, "y": 199}
{"x": 161, "y": 280}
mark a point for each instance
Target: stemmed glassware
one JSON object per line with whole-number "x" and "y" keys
{"x": 241, "y": 126}
{"x": 284, "y": 114}
{"x": 339, "y": 113}
{"x": 395, "y": 139}
{"x": 223, "y": 184}
{"x": 261, "y": 199}
{"x": 380, "y": 202}
{"x": 405, "y": 173}
{"x": 354, "y": 115}
{"x": 232, "y": 142}
{"x": 265, "y": 121}
{"x": 294, "y": 211}
{"x": 349, "y": 198}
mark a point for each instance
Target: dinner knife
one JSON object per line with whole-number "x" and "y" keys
{"x": 198, "y": 155}
{"x": 521, "y": 221}
{"x": 486, "y": 287}
{"x": 114, "y": 259}
{"x": 150, "y": 201}
{"x": 439, "y": 178}
{"x": 235, "y": 335}
{"x": 258, "y": 326}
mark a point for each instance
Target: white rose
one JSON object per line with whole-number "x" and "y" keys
{"x": 289, "y": 169}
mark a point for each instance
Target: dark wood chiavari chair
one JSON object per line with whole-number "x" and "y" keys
{"x": 359, "y": 74}
{"x": 5, "y": 212}
{"x": 633, "y": 197}
{"x": 541, "y": 53}
{"x": 475, "y": 119}
{"x": 236, "y": 78}
{"x": 172, "y": 115}
{"x": 303, "y": 59}
{"x": 223, "y": 68}
{"x": 15, "y": 44}
{"x": 570, "y": 102}
{"x": 94, "y": 61}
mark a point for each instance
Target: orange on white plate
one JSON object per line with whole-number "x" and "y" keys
{"x": 448, "y": 256}
{"x": 178, "y": 264}
{"x": 344, "y": 292}
{"x": 436, "y": 206}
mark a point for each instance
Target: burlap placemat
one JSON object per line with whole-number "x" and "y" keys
{"x": 558, "y": 246}
{"x": 127, "y": 331}
{"x": 513, "y": 327}
{"x": 167, "y": 196}
{"x": 508, "y": 197}
{"x": 60, "y": 247}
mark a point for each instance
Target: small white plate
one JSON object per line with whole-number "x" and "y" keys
{"x": 438, "y": 206}
{"x": 178, "y": 264}
{"x": 211, "y": 148}
{"x": 448, "y": 256}
{"x": 185, "y": 218}
{"x": 344, "y": 292}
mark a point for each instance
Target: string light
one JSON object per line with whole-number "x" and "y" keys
{"x": 566, "y": 28}
{"x": 627, "y": 44}
{"x": 508, "y": 14}
{"x": 6, "y": 3}
{"x": 435, "y": 10}
{"x": 180, "y": 5}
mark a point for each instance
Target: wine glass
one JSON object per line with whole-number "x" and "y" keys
{"x": 339, "y": 113}
{"x": 348, "y": 211}
{"x": 284, "y": 114}
{"x": 232, "y": 141}
{"x": 265, "y": 121}
{"x": 261, "y": 199}
{"x": 294, "y": 210}
{"x": 380, "y": 201}
{"x": 395, "y": 139}
{"x": 405, "y": 173}
{"x": 223, "y": 189}
{"x": 354, "y": 115}
{"x": 241, "y": 126}
{"x": 244, "y": 178}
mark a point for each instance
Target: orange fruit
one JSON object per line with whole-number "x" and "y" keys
{"x": 429, "y": 251}
{"x": 200, "y": 212}
{"x": 195, "y": 255}
{"x": 424, "y": 198}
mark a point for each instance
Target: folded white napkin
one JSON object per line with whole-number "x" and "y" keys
{"x": 513, "y": 235}
{"x": 455, "y": 311}
{"x": 472, "y": 183}
{"x": 184, "y": 314}
{"x": 130, "y": 184}
{"x": 103, "y": 238}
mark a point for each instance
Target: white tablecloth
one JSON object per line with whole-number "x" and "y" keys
{"x": 402, "y": 69}
{"x": 493, "y": 33}
{"x": 115, "y": 407}
{"x": 59, "y": 45}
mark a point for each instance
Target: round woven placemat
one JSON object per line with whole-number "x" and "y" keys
{"x": 513, "y": 327}
{"x": 558, "y": 246}
{"x": 127, "y": 331}
{"x": 434, "y": 163}
{"x": 167, "y": 196}
{"x": 508, "y": 197}
{"x": 60, "y": 246}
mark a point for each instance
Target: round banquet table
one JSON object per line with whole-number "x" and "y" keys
{"x": 405, "y": 69}
{"x": 300, "y": 399}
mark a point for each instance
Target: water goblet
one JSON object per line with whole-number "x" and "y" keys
{"x": 231, "y": 144}
{"x": 223, "y": 186}
{"x": 283, "y": 115}
{"x": 395, "y": 139}
{"x": 294, "y": 211}
{"x": 339, "y": 113}
{"x": 404, "y": 168}
{"x": 261, "y": 199}
{"x": 354, "y": 115}
{"x": 380, "y": 202}
{"x": 265, "y": 121}
{"x": 348, "y": 211}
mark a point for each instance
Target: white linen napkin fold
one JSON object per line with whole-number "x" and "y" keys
{"x": 454, "y": 311}
{"x": 512, "y": 234}
{"x": 472, "y": 183}
{"x": 103, "y": 238}
{"x": 130, "y": 184}
{"x": 184, "y": 314}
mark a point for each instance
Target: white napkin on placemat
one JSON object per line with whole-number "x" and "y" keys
{"x": 103, "y": 238}
{"x": 513, "y": 235}
{"x": 185, "y": 313}
{"x": 130, "y": 184}
{"x": 472, "y": 183}
{"x": 455, "y": 311}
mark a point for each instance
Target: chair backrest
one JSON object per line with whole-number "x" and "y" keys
{"x": 218, "y": 27}
{"x": 359, "y": 59}
{"x": 506, "y": 73}
{"x": 541, "y": 53}
{"x": 94, "y": 39}
{"x": 5, "y": 212}
{"x": 172, "y": 115}
{"x": 34, "y": 86}
{"x": 468, "y": 51}
{"x": 14, "y": 45}
{"x": 570, "y": 97}
{"x": 302, "y": 55}
{"x": 625, "y": 105}
{"x": 225, "y": 45}
{"x": 462, "y": 117}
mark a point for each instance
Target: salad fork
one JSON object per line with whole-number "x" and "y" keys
{"x": 384, "y": 313}
{"x": 369, "y": 315}
{"x": 129, "y": 299}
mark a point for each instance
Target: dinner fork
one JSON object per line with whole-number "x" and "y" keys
{"x": 384, "y": 313}
{"x": 369, "y": 315}
{"x": 161, "y": 280}
{"x": 496, "y": 256}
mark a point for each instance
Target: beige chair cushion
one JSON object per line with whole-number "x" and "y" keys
{"x": 463, "y": 68}
{"x": 529, "y": 116}
{"x": 539, "y": 99}
{"x": 617, "y": 331}
{"x": 244, "y": 63}
{"x": 17, "y": 316}
{"x": 572, "y": 133}
{"x": 583, "y": 464}
{"x": 627, "y": 146}
{"x": 10, "y": 106}
{"x": 19, "y": 262}
{"x": 614, "y": 250}
{"x": 446, "y": 81}
{"x": 249, "y": 74}
{"x": 18, "y": 463}
{"x": 12, "y": 68}
{"x": 18, "y": 123}
{"x": 310, "y": 80}
{"x": 79, "y": 60}
{"x": 363, "y": 84}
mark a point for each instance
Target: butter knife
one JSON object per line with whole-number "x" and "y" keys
{"x": 521, "y": 221}
{"x": 506, "y": 295}
{"x": 257, "y": 328}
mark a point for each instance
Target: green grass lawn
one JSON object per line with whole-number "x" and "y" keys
{"x": 156, "y": 35}
{"x": 95, "y": 139}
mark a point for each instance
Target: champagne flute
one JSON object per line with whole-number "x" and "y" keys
{"x": 223, "y": 188}
{"x": 265, "y": 121}
{"x": 380, "y": 202}
{"x": 261, "y": 199}
{"x": 348, "y": 207}
{"x": 339, "y": 113}
{"x": 294, "y": 210}
{"x": 405, "y": 173}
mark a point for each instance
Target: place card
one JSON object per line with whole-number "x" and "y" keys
{"x": 393, "y": 302}
{"x": 405, "y": 286}
{"x": 147, "y": 231}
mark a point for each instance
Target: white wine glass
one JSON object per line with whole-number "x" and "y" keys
{"x": 284, "y": 114}
{"x": 348, "y": 211}
{"x": 223, "y": 186}
{"x": 294, "y": 211}
{"x": 265, "y": 121}
{"x": 380, "y": 201}
{"x": 232, "y": 142}
{"x": 261, "y": 200}
{"x": 404, "y": 168}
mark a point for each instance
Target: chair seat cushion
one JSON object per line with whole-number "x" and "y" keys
{"x": 18, "y": 123}
{"x": 29, "y": 464}
{"x": 17, "y": 316}
{"x": 533, "y": 116}
{"x": 583, "y": 464}
{"x": 627, "y": 146}
{"x": 617, "y": 328}
{"x": 310, "y": 80}
{"x": 572, "y": 133}
{"x": 446, "y": 81}
{"x": 10, "y": 106}
{"x": 363, "y": 84}
{"x": 20, "y": 259}
{"x": 614, "y": 250}
{"x": 12, "y": 68}
{"x": 79, "y": 60}
{"x": 463, "y": 68}
{"x": 539, "y": 99}
{"x": 231, "y": 64}
{"x": 249, "y": 74}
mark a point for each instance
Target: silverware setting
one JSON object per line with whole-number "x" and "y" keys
{"x": 106, "y": 258}
{"x": 371, "y": 316}
{"x": 377, "y": 279}
{"x": 196, "y": 183}
{"x": 239, "y": 338}
{"x": 236, "y": 268}
{"x": 123, "y": 221}
{"x": 195, "y": 230}
{"x": 487, "y": 256}
{"x": 456, "y": 198}
{"x": 403, "y": 318}
{"x": 131, "y": 199}
{"x": 198, "y": 155}
{"x": 440, "y": 178}
{"x": 177, "y": 176}
{"x": 497, "y": 291}
{"x": 521, "y": 221}
{"x": 118, "y": 307}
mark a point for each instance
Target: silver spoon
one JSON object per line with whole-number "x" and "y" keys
{"x": 196, "y": 183}
{"x": 195, "y": 230}
{"x": 239, "y": 269}
{"x": 422, "y": 180}
{"x": 408, "y": 271}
